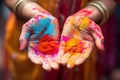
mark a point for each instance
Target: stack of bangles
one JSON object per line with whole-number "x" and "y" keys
{"x": 96, "y": 3}
{"x": 17, "y": 9}
{"x": 102, "y": 8}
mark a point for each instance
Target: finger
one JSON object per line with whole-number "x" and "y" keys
{"x": 71, "y": 61}
{"x": 80, "y": 60}
{"x": 66, "y": 30}
{"x": 83, "y": 56}
{"x": 98, "y": 36}
{"x": 56, "y": 29}
{"x": 52, "y": 62}
{"x": 46, "y": 64}
{"x": 65, "y": 58}
{"x": 25, "y": 34}
{"x": 60, "y": 52}
{"x": 33, "y": 57}
{"x": 56, "y": 59}
{"x": 68, "y": 27}
{"x": 99, "y": 44}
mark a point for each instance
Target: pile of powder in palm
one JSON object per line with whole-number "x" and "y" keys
{"x": 74, "y": 46}
{"x": 47, "y": 45}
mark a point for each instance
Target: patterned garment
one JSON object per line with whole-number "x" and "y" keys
{"x": 19, "y": 67}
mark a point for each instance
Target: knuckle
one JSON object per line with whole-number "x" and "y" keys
{"x": 21, "y": 39}
{"x": 102, "y": 38}
{"x": 69, "y": 18}
{"x": 55, "y": 19}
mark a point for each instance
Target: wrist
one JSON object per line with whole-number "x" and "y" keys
{"x": 99, "y": 10}
{"x": 27, "y": 9}
{"x": 28, "y": 12}
{"x": 90, "y": 12}
{"x": 32, "y": 9}
{"x": 95, "y": 13}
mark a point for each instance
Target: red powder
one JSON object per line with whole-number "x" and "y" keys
{"x": 47, "y": 45}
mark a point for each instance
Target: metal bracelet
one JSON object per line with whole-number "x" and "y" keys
{"x": 16, "y": 6}
{"x": 103, "y": 10}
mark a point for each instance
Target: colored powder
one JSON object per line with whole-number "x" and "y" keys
{"x": 85, "y": 22}
{"x": 74, "y": 46}
{"x": 47, "y": 45}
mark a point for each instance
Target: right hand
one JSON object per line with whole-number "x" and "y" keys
{"x": 78, "y": 38}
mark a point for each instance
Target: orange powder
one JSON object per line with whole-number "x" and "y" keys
{"x": 74, "y": 46}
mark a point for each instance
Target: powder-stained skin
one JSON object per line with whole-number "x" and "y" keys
{"x": 40, "y": 27}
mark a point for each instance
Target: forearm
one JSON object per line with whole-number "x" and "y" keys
{"x": 29, "y": 9}
{"x": 10, "y": 3}
{"x": 110, "y": 4}
{"x": 93, "y": 13}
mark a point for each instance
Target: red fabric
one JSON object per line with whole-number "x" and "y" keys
{"x": 118, "y": 1}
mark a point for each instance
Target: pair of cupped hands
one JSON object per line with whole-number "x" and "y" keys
{"x": 75, "y": 27}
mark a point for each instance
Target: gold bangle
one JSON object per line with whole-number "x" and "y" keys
{"x": 19, "y": 6}
{"x": 102, "y": 8}
{"x": 16, "y": 6}
{"x": 105, "y": 10}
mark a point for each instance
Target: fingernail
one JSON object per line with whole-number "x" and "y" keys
{"x": 46, "y": 67}
{"x": 79, "y": 61}
{"x": 22, "y": 44}
{"x": 21, "y": 47}
{"x": 102, "y": 46}
{"x": 69, "y": 66}
{"x": 55, "y": 66}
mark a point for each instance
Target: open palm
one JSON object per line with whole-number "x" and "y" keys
{"x": 77, "y": 40}
{"x": 41, "y": 37}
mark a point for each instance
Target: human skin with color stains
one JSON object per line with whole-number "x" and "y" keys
{"x": 79, "y": 27}
{"x": 33, "y": 32}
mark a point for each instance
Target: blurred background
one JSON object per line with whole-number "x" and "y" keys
{"x": 112, "y": 74}
{"x": 4, "y": 11}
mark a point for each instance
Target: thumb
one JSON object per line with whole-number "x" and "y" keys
{"x": 25, "y": 34}
{"x": 99, "y": 43}
{"x": 97, "y": 34}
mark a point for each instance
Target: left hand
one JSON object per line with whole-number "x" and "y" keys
{"x": 41, "y": 37}
{"x": 77, "y": 40}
